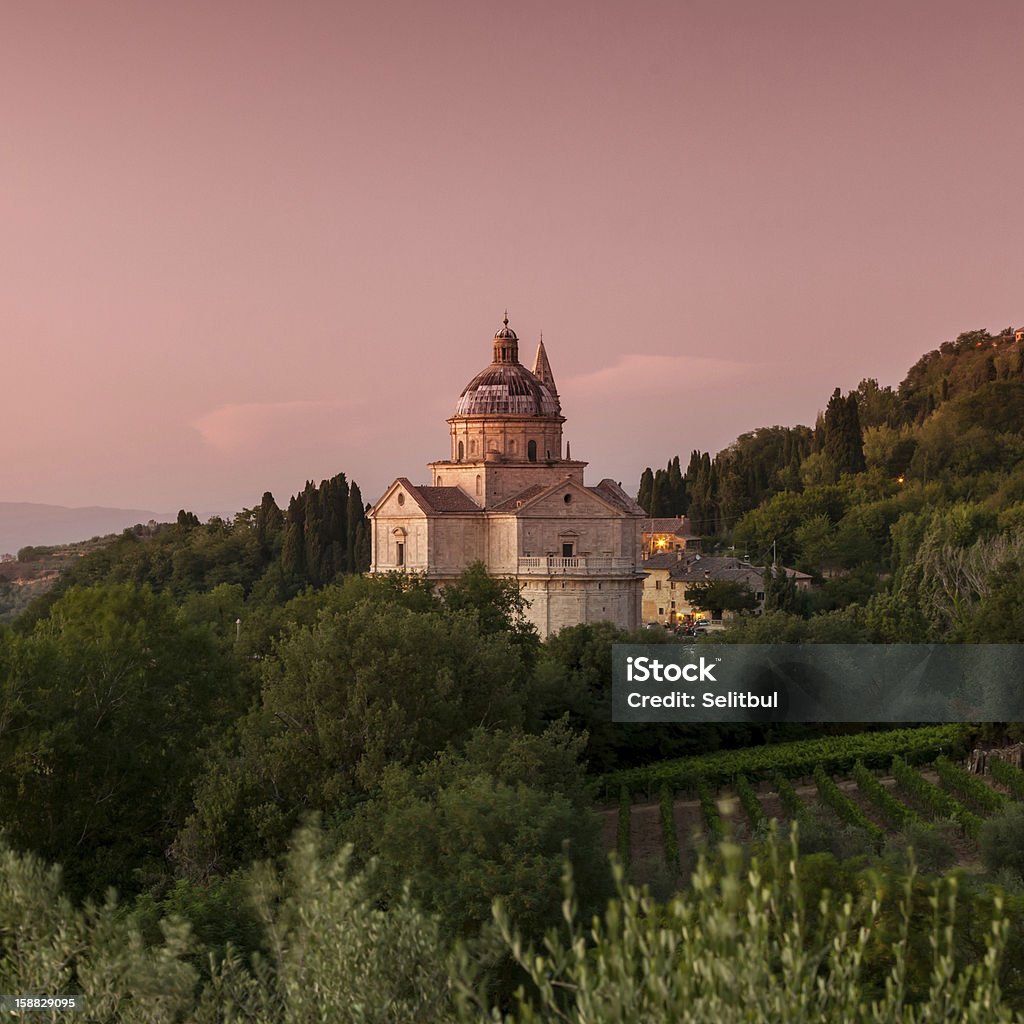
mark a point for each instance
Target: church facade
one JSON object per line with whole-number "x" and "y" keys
{"x": 507, "y": 496}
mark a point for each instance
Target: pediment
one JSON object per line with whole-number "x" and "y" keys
{"x": 401, "y": 500}
{"x": 582, "y": 503}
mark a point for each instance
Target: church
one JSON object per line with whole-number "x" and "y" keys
{"x": 510, "y": 497}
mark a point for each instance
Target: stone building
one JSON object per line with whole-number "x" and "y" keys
{"x": 673, "y": 533}
{"x": 509, "y": 497}
{"x": 671, "y": 575}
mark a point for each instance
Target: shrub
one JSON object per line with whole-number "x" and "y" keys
{"x": 734, "y": 947}
{"x": 938, "y": 802}
{"x": 709, "y": 811}
{"x": 1009, "y": 775}
{"x": 789, "y": 797}
{"x": 623, "y": 839}
{"x": 837, "y": 754}
{"x": 956, "y": 780}
{"x": 750, "y": 803}
{"x": 929, "y": 845}
{"x": 846, "y": 810}
{"x": 1002, "y": 841}
{"x": 669, "y": 837}
{"x": 897, "y": 813}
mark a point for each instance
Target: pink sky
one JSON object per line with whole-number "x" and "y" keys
{"x": 246, "y": 244}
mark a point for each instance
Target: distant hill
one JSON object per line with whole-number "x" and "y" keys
{"x": 25, "y": 523}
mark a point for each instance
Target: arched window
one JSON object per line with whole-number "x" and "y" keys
{"x": 472, "y": 447}
{"x": 478, "y": 485}
{"x": 511, "y": 447}
{"x": 462, "y": 451}
{"x": 531, "y": 451}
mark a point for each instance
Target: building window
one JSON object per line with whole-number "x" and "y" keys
{"x": 401, "y": 498}
{"x": 567, "y": 550}
{"x": 511, "y": 447}
{"x": 472, "y": 447}
{"x": 672, "y": 585}
{"x": 531, "y": 451}
{"x": 478, "y": 486}
{"x": 439, "y": 484}
{"x": 400, "y": 554}
{"x": 567, "y": 499}
{"x": 462, "y": 451}
{"x": 661, "y": 611}
{"x": 657, "y": 584}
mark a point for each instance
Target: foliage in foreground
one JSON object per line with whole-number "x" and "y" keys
{"x": 746, "y": 942}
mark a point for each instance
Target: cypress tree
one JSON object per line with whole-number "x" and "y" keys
{"x": 843, "y": 443}
{"x": 269, "y": 520}
{"x": 293, "y": 551}
{"x": 658, "y": 495}
{"x": 676, "y": 488}
{"x": 353, "y": 517}
{"x": 854, "y": 435}
{"x": 645, "y": 495}
{"x": 313, "y": 534}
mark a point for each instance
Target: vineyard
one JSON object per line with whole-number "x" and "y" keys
{"x": 873, "y": 785}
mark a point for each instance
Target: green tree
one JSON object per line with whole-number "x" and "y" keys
{"x": 645, "y": 495}
{"x": 51, "y": 946}
{"x": 269, "y": 521}
{"x": 780, "y": 593}
{"x": 721, "y": 595}
{"x": 370, "y": 675}
{"x": 497, "y": 601}
{"x": 107, "y": 707}
{"x": 495, "y": 820}
{"x": 843, "y": 442}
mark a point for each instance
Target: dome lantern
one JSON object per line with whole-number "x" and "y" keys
{"x": 506, "y": 344}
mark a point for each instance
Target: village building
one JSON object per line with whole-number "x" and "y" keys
{"x": 673, "y": 576}
{"x": 510, "y": 496}
{"x": 673, "y": 533}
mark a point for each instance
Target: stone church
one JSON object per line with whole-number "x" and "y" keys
{"x": 510, "y": 497}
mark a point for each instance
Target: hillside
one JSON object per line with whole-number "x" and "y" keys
{"x": 31, "y": 575}
{"x": 23, "y": 523}
{"x": 906, "y": 504}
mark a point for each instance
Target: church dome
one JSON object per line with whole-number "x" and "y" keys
{"x": 506, "y": 387}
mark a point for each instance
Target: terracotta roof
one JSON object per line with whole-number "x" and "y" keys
{"x": 611, "y": 491}
{"x": 715, "y": 567}
{"x": 662, "y": 560}
{"x": 693, "y": 569}
{"x": 511, "y": 504}
{"x": 678, "y": 525}
{"x": 447, "y": 499}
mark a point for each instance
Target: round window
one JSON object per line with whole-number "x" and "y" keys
{"x": 401, "y": 498}
{"x": 568, "y": 498}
